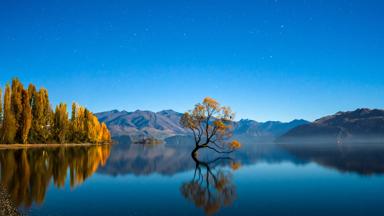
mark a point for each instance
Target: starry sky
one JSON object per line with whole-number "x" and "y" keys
{"x": 267, "y": 59}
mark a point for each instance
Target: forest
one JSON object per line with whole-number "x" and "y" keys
{"x": 26, "y": 117}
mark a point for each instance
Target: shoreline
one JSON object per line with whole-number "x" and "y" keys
{"x": 7, "y": 206}
{"x": 27, "y": 146}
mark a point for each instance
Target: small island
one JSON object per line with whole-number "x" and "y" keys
{"x": 27, "y": 119}
{"x": 149, "y": 141}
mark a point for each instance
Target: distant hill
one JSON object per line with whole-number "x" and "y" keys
{"x": 361, "y": 123}
{"x": 143, "y": 123}
{"x": 166, "y": 123}
{"x": 265, "y": 129}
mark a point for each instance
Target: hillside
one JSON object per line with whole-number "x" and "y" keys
{"x": 165, "y": 123}
{"x": 361, "y": 123}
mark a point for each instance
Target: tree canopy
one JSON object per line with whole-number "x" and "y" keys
{"x": 211, "y": 126}
{"x": 26, "y": 116}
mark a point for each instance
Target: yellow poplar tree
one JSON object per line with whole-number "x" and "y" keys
{"x": 93, "y": 129}
{"x": 33, "y": 133}
{"x": 61, "y": 123}
{"x": 74, "y": 128}
{"x": 106, "y": 135}
{"x": 26, "y": 117}
{"x": 1, "y": 114}
{"x": 17, "y": 107}
{"x": 9, "y": 122}
{"x": 42, "y": 117}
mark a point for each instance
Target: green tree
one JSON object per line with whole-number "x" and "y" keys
{"x": 9, "y": 122}
{"x": 42, "y": 117}
{"x": 61, "y": 123}
{"x": 33, "y": 133}
{"x": 74, "y": 123}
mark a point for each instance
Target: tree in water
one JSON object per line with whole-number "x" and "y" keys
{"x": 211, "y": 126}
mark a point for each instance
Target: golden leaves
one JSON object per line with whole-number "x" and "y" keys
{"x": 28, "y": 118}
{"x": 235, "y": 144}
{"x": 211, "y": 103}
{"x": 235, "y": 165}
{"x": 210, "y": 124}
{"x": 219, "y": 125}
{"x": 187, "y": 121}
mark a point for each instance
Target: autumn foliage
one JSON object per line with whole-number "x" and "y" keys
{"x": 211, "y": 126}
{"x": 26, "y": 116}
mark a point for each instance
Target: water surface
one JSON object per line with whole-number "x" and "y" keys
{"x": 133, "y": 179}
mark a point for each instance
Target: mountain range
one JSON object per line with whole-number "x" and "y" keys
{"x": 165, "y": 124}
{"x": 354, "y": 125}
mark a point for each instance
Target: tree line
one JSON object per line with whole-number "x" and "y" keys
{"x": 26, "y": 116}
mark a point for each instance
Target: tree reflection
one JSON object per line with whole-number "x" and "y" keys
{"x": 27, "y": 173}
{"x": 211, "y": 189}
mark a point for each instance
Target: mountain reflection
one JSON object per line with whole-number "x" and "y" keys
{"x": 27, "y": 173}
{"x": 362, "y": 158}
{"x": 174, "y": 156}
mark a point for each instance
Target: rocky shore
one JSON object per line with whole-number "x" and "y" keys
{"x": 7, "y": 207}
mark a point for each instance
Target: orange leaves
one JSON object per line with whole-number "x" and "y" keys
{"x": 219, "y": 125}
{"x": 87, "y": 128}
{"x": 210, "y": 123}
{"x": 235, "y": 165}
{"x": 235, "y": 144}
{"x": 211, "y": 103}
{"x": 187, "y": 121}
{"x": 106, "y": 136}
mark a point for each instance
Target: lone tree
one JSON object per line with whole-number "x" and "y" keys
{"x": 211, "y": 125}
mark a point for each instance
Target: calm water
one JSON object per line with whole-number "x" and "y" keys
{"x": 132, "y": 179}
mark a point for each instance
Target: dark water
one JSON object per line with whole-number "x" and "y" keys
{"x": 261, "y": 179}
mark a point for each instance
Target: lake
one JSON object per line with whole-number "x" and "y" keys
{"x": 262, "y": 178}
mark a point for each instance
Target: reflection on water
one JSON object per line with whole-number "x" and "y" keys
{"x": 138, "y": 159}
{"x": 26, "y": 173}
{"x": 363, "y": 159}
{"x": 212, "y": 183}
{"x": 210, "y": 189}
{"x": 175, "y": 156}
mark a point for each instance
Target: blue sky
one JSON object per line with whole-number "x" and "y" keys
{"x": 268, "y": 60}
